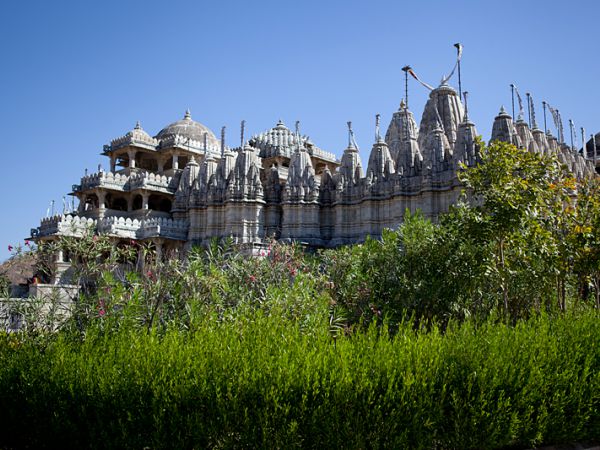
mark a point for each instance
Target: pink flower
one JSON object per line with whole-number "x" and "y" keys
{"x": 101, "y": 313}
{"x": 27, "y": 243}
{"x": 150, "y": 275}
{"x": 10, "y": 248}
{"x": 95, "y": 238}
{"x": 252, "y": 278}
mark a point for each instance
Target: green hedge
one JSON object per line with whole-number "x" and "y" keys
{"x": 264, "y": 383}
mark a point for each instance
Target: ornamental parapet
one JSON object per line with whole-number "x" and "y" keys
{"x": 109, "y": 180}
{"x": 138, "y": 140}
{"x": 161, "y": 227}
{"x": 322, "y": 154}
{"x": 186, "y": 143}
{"x": 144, "y": 228}
{"x": 154, "y": 182}
{"x": 64, "y": 225}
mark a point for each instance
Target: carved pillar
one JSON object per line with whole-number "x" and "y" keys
{"x": 131, "y": 154}
{"x": 60, "y": 256}
{"x": 81, "y": 206}
{"x": 145, "y": 198}
{"x": 175, "y": 162}
{"x": 130, "y": 203}
{"x": 101, "y": 203}
{"x": 161, "y": 165}
{"x": 113, "y": 162}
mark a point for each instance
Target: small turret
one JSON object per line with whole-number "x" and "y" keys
{"x": 301, "y": 183}
{"x": 504, "y": 130}
{"x": 381, "y": 164}
{"x": 443, "y": 108}
{"x": 402, "y": 139}
{"x": 350, "y": 171}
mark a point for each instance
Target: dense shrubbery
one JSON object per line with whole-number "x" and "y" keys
{"x": 261, "y": 382}
{"x": 475, "y": 332}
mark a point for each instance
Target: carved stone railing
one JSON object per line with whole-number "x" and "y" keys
{"x": 167, "y": 228}
{"x": 154, "y": 182}
{"x": 107, "y": 180}
{"x": 318, "y": 153}
{"x": 144, "y": 228}
{"x": 132, "y": 139}
{"x": 64, "y": 225}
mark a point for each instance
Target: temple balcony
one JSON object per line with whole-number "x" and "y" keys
{"x": 144, "y": 228}
{"x": 153, "y": 182}
{"x": 106, "y": 180}
{"x": 129, "y": 180}
{"x": 64, "y": 225}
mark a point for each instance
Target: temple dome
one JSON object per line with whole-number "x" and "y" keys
{"x": 189, "y": 128}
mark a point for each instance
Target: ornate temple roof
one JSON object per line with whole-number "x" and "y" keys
{"x": 188, "y": 129}
{"x": 281, "y": 141}
{"x": 136, "y": 137}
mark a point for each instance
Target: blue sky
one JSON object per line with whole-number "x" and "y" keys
{"x": 76, "y": 74}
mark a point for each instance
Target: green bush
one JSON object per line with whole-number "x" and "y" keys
{"x": 262, "y": 382}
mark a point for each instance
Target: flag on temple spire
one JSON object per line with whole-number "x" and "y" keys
{"x": 414, "y": 75}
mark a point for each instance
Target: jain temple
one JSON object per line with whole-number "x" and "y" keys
{"x": 184, "y": 186}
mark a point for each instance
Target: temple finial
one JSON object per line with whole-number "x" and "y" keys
{"x": 138, "y": 126}
{"x": 377, "y": 132}
{"x": 466, "y": 95}
{"x": 188, "y": 115}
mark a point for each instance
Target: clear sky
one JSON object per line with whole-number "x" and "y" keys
{"x": 76, "y": 74}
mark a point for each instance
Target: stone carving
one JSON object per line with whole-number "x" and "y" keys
{"x": 280, "y": 184}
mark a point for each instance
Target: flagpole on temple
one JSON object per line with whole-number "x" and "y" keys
{"x": 458, "y": 47}
{"x": 528, "y": 107}
{"x": 222, "y": 141}
{"x": 571, "y": 127}
{"x": 512, "y": 93}
{"x": 405, "y": 69}
{"x": 545, "y": 127}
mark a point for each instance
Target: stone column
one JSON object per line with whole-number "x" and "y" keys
{"x": 175, "y": 162}
{"x": 145, "y": 198}
{"x": 81, "y": 206}
{"x": 101, "y": 204}
{"x": 131, "y": 154}
{"x": 130, "y": 203}
{"x": 113, "y": 163}
{"x": 60, "y": 256}
{"x": 161, "y": 165}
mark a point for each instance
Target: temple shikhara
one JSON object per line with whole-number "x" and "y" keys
{"x": 184, "y": 186}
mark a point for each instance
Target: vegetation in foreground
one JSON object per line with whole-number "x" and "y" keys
{"x": 477, "y": 332}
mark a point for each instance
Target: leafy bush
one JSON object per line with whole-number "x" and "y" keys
{"x": 262, "y": 382}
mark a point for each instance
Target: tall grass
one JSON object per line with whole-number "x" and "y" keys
{"x": 262, "y": 382}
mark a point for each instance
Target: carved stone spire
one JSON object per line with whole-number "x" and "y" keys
{"x": 350, "y": 171}
{"x": 443, "y": 103}
{"x": 402, "y": 139}
{"x": 504, "y": 130}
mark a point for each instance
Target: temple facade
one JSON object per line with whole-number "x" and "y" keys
{"x": 185, "y": 187}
